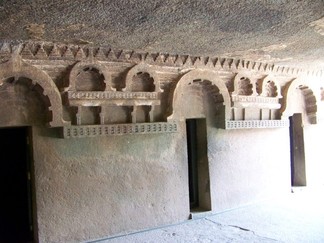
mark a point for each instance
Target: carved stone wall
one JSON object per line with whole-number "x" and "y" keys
{"x": 100, "y": 87}
{"x": 141, "y": 182}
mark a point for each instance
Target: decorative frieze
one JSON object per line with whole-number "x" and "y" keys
{"x": 60, "y": 51}
{"x": 98, "y": 85}
{"x": 256, "y": 124}
{"x": 112, "y": 95}
{"x": 119, "y": 129}
{"x": 92, "y": 98}
{"x": 254, "y": 99}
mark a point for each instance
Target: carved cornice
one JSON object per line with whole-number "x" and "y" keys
{"x": 69, "y": 52}
{"x": 102, "y": 87}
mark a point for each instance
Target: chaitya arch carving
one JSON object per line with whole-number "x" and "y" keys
{"x": 143, "y": 87}
{"x": 243, "y": 85}
{"x": 309, "y": 98}
{"x": 199, "y": 76}
{"x": 141, "y": 69}
{"x": 17, "y": 68}
{"x": 270, "y": 88}
{"x": 83, "y": 66}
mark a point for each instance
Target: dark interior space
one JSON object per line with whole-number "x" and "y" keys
{"x": 192, "y": 162}
{"x": 198, "y": 166}
{"x": 15, "y": 188}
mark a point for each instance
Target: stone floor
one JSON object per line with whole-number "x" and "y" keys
{"x": 297, "y": 217}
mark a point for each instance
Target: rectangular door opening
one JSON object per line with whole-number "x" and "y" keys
{"x": 297, "y": 151}
{"x": 16, "y": 223}
{"x": 198, "y": 167}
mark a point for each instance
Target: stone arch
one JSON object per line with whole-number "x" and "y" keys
{"x": 309, "y": 98}
{"x": 16, "y": 69}
{"x": 200, "y": 76}
{"x": 142, "y": 68}
{"x": 81, "y": 66}
{"x": 243, "y": 85}
{"x": 270, "y": 88}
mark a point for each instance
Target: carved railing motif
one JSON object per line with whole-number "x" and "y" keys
{"x": 119, "y": 129}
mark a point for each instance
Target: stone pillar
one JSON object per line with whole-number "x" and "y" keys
{"x": 102, "y": 116}
{"x": 78, "y": 116}
{"x": 151, "y": 114}
{"x": 134, "y": 114}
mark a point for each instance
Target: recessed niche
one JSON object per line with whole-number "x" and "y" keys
{"x": 245, "y": 86}
{"x": 271, "y": 89}
{"x": 90, "y": 79}
{"x": 143, "y": 82}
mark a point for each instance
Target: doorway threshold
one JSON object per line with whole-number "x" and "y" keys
{"x": 298, "y": 189}
{"x": 198, "y": 213}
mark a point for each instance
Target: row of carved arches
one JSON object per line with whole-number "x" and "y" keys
{"x": 94, "y": 77}
{"x": 248, "y": 86}
{"x": 213, "y": 85}
{"x": 267, "y": 87}
{"x": 97, "y": 77}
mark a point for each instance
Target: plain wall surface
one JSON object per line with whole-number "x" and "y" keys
{"x": 314, "y": 154}
{"x": 92, "y": 188}
{"x": 247, "y": 165}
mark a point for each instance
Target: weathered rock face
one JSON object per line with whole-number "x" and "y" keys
{"x": 94, "y": 184}
{"x": 280, "y": 31}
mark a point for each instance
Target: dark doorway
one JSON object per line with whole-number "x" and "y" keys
{"x": 15, "y": 186}
{"x": 297, "y": 152}
{"x": 198, "y": 168}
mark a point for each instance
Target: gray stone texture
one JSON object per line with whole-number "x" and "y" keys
{"x": 282, "y": 31}
{"x": 297, "y": 217}
{"x": 92, "y": 188}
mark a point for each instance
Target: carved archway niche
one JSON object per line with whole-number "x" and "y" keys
{"x": 243, "y": 86}
{"x": 271, "y": 88}
{"x": 309, "y": 100}
{"x": 23, "y": 103}
{"x": 89, "y": 77}
{"x": 256, "y": 98}
{"x": 15, "y": 69}
{"x": 87, "y": 83}
{"x": 189, "y": 89}
{"x": 142, "y": 78}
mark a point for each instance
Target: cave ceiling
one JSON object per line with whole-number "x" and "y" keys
{"x": 283, "y": 32}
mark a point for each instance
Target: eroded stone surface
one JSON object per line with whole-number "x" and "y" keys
{"x": 197, "y": 28}
{"x": 81, "y": 82}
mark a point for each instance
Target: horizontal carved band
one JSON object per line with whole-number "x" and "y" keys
{"x": 94, "y": 98}
{"x": 112, "y": 95}
{"x": 61, "y": 51}
{"x": 256, "y": 124}
{"x": 119, "y": 129}
{"x": 255, "y": 99}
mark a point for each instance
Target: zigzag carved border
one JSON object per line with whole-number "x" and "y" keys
{"x": 59, "y": 51}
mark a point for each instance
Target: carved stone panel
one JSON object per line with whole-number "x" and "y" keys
{"x": 96, "y": 86}
{"x": 119, "y": 129}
